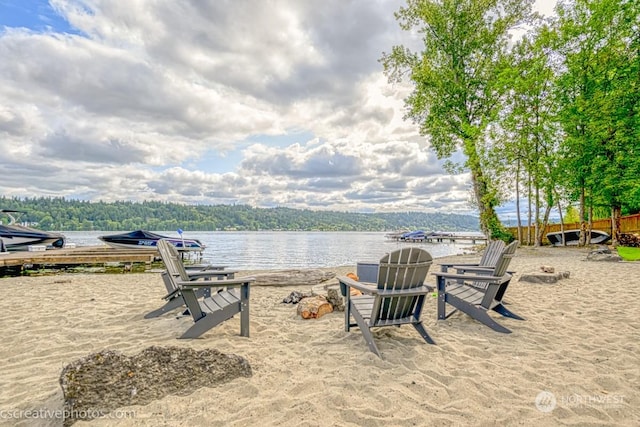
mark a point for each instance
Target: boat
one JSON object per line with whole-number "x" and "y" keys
{"x": 15, "y": 237}
{"x": 572, "y": 237}
{"x": 441, "y": 234}
{"x": 413, "y": 236}
{"x": 141, "y": 239}
{"x": 395, "y": 235}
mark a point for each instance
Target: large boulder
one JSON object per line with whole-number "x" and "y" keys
{"x": 603, "y": 254}
{"x": 101, "y": 382}
{"x": 543, "y": 277}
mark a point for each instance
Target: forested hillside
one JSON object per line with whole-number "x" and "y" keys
{"x": 70, "y": 215}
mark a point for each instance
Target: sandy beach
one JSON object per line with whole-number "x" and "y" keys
{"x": 579, "y": 347}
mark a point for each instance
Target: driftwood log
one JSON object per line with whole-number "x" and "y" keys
{"x": 314, "y": 307}
{"x": 293, "y": 277}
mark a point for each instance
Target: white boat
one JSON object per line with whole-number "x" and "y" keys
{"x": 571, "y": 237}
{"x": 17, "y": 237}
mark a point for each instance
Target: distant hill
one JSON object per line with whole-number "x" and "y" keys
{"x": 73, "y": 215}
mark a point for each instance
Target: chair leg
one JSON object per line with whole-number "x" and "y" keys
{"x": 481, "y": 315}
{"x": 442, "y": 294}
{"x": 212, "y": 319}
{"x": 423, "y": 332}
{"x": 366, "y": 332}
{"x": 347, "y": 314}
{"x": 170, "y": 305}
{"x": 506, "y": 312}
{"x": 244, "y": 310}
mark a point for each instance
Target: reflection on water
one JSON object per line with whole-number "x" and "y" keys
{"x": 267, "y": 250}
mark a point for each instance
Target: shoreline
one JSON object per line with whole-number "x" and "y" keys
{"x": 579, "y": 343}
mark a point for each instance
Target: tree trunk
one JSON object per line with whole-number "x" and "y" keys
{"x": 615, "y": 224}
{"x": 590, "y": 225}
{"x": 529, "y": 197}
{"x": 490, "y": 224}
{"x": 537, "y": 217}
{"x": 545, "y": 220}
{"x": 519, "y": 234}
{"x": 561, "y": 223}
{"x": 583, "y": 235}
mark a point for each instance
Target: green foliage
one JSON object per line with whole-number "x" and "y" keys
{"x": 499, "y": 232}
{"x": 599, "y": 89}
{"x": 72, "y": 215}
{"x": 455, "y": 78}
{"x": 629, "y": 254}
{"x": 572, "y": 215}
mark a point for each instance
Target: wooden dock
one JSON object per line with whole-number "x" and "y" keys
{"x": 457, "y": 238}
{"x": 14, "y": 263}
{"x": 439, "y": 238}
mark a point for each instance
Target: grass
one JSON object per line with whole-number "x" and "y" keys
{"x": 629, "y": 254}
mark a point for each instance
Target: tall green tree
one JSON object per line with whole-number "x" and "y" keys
{"x": 599, "y": 88}
{"x": 526, "y": 132}
{"x": 456, "y": 91}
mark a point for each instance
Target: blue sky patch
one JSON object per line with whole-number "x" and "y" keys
{"x": 282, "y": 141}
{"x": 214, "y": 162}
{"x": 35, "y": 15}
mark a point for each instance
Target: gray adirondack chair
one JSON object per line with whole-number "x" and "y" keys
{"x": 231, "y": 297}
{"x": 476, "y": 292}
{"x": 173, "y": 299}
{"x": 396, "y": 299}
{"x": 489, "y": 258}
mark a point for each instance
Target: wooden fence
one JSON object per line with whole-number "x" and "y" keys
{"x": 628, "y": 224}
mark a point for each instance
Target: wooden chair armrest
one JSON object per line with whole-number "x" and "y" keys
{"x": 479, "y": 270}
{"x": 203, "y": 267}
{"x": 472, "y": 269}
{"x": 218, "y": 283}
{"x": 472, "y": 277}
{"x": 372, "y": 289}
{"x": 420, "y": 290}
{"x": 194, "y": 275}
{"x": 449, "y": 265}
{"x": 364, "y": 287}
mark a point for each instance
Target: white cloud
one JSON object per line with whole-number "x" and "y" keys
{"x": 124, "y": 110}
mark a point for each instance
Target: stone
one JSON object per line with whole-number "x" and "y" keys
{"x": 101, "y": 382}
{"x": 335, "y": 298}
{"x": 295, "y": 297}
{"x": 600, "y": 255}
{"x": 547, "y": 269}
{"x": 544, "y": 278}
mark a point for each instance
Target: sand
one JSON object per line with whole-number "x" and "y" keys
{"x": 579, "y": 345}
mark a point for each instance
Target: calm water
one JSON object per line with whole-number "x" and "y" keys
{"x": 274, "y": 250}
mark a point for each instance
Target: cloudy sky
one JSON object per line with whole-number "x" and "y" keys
{"x": 259, "y": 102}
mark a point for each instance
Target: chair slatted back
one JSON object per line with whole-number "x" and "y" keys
{"x": 405, "y": 268}
{"x": 171, "y": 258}
{"x": 492, "y": 253}
{"x": 501, "y": 264}
{"x": 505, "y": 258}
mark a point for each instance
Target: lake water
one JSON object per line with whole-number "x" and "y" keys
{"x": 276, "y": 250}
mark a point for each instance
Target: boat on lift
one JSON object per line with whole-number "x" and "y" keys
{"x": 16, "y": 237}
